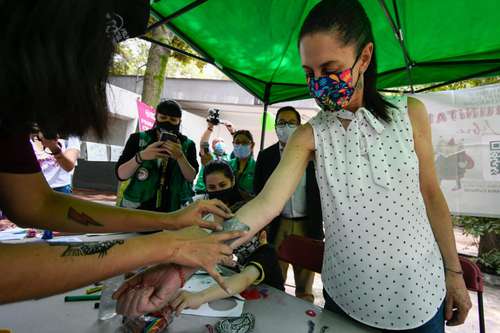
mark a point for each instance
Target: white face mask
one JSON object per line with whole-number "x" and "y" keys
{"x": 285, "y": 131}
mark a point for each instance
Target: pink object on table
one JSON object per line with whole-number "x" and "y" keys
{"x": 31, "y": 233}
{"x": 311, "y": 313}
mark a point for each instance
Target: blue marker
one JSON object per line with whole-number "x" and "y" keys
{"x": 47, "y": 234}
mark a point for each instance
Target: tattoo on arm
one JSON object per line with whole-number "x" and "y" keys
{"x": 82, "y": 218}
{"x": 87, "y": 249}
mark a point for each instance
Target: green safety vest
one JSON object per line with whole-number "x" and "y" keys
{"x": 245, "y": 180}
{"x": 145, "y": 183}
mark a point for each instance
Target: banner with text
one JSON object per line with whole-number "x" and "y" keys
{"x": 146, "y": 116}
{"x": 466, "y": 137}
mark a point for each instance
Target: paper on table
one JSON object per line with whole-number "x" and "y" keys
{"x": 65, "y": 239}
{"x": 206, "y": 311}
{"x": 198, "y": 283}
{"x": 12, "y": 234}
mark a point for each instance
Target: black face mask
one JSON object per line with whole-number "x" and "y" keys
{"x": 167, "y": 126}
{"x": 229, "y": 196}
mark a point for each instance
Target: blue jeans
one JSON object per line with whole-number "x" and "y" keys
{"x": 435, "y": 325}
{"x": 64, "y": 189}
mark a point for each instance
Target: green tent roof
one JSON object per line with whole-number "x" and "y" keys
{"x": 254, "y": 42}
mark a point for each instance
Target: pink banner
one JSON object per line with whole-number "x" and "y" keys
{"x": 146, "y": 116}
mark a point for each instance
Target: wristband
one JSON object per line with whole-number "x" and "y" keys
{"x": 453, "y": 271}
{"x": 138, "y": 158}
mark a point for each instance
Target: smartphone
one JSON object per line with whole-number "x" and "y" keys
{"x": 168, "y": 136}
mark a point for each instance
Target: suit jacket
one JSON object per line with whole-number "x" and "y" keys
{"x": 267, "y": 161}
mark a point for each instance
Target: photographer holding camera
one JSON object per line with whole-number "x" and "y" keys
{"x": 160, "y": 163}
{"x": 218, "y": 146}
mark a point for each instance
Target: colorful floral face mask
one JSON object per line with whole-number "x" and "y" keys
{"x": 333, "y": 92}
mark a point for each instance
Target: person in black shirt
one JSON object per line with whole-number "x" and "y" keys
{"x": 53, "y": 72}
{"x": 160, "y": 164}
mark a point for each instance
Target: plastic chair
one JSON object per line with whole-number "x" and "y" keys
{"x": 474, "y": 282}
{"x": 303, "y": 252}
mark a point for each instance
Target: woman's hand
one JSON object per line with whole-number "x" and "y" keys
{"x": 154, "y": 151}
{"x": 194, "y": 213}
{"x": 196, "y": 249}
{"x": 458, "y": 301}
{"x": 186, "y": 300}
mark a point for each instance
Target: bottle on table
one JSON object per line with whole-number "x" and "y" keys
{"x": 107, "y": 306}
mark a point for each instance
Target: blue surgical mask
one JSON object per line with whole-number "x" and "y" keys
{"x": 219, "y": 148}
{"x": 242, "y": 151}
{"x": 285, "y": 131}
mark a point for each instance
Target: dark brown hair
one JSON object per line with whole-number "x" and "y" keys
{"x": 348, "y": 18}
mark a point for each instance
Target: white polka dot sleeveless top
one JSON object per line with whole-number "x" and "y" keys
{"x": 382, "y": 265}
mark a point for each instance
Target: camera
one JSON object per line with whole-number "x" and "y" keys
{"x": 213, "y": 116}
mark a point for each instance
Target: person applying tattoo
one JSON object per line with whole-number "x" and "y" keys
{"x": 257, "y": 261}
{"x": 61, "y": 87}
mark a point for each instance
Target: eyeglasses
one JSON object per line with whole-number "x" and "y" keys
{"x": 285, "y": 123}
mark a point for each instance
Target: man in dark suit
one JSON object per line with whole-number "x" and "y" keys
{"x": 302, "y": 213}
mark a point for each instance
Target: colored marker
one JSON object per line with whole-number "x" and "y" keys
{"x": 93, "y": 290}
{"x": 81, "y": 298}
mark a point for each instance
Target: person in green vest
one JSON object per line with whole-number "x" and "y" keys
{"x": 161, "y": 168}
{"x": 243, "y": 163}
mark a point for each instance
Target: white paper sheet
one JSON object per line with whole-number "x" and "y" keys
{"x": 198, "y": 283}
{"x": 65, "y": 239}
{"x": 13, "y": 234}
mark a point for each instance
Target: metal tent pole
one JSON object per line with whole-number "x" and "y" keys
{"x": 399, "y": 36}
{"x": 267, "y": 92}
{"x": 181, "y": 11}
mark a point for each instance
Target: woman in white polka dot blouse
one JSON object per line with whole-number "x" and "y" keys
{"x": 390, "y": 258}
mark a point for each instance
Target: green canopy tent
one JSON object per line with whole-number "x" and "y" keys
{"x": 254, "y": 42}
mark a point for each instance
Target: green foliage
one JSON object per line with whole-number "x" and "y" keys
{"x": 131, "y": 57}
{"x": 468, "y": 83}
{"x": 477, "y": 226}
{"x": 491, "y": 260}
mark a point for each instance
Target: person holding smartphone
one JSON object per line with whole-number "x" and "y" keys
{"x": 160, "y": 164}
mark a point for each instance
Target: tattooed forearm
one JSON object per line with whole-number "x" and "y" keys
{"x": 82, "y": 218}
{"x": 87, "y": 249}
